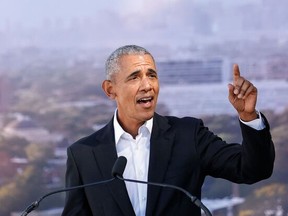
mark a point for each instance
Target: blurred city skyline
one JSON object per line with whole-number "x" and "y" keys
{"x": 108, "y": 24}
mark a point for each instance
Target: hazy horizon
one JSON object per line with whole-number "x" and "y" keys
{"x": 171, "y": 23}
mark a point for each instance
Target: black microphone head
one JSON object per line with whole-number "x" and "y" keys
{"x": 119, "y": 166}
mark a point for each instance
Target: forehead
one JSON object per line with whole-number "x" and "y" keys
{"x": 135, "y": 60}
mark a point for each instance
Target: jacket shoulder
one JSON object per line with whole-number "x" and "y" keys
{"x": 104, "y": 134}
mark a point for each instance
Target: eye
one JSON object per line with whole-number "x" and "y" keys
{"x": 153, "y": 75}
{"x": 133, "y": 77}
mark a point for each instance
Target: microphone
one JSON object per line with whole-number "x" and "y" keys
{"x": 119, "y": 167}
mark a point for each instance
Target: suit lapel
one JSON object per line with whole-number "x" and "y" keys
{"x": 106, "y": 155}
{"x": 160, "y": 152}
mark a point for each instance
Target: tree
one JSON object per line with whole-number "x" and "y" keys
{"x": 38, "y": 153}
{"x": 27, "y": 186}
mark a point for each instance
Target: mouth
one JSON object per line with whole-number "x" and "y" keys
{"x": 145, "y": 100}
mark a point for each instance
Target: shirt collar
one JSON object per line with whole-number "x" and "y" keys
{"x": 118, "y": 130}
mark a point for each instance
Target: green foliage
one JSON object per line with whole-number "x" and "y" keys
{"x": 28, "y": 185}
{"x": 25, "y": 186}
{"x": 266, "y": 197}
{"x": 279, "y": 134}
{"x": 38, "y": 152}
{"x": 8, "y": 193}
{"x": 13, "y": 145}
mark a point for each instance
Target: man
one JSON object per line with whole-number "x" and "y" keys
{"x": 171, "y": 150}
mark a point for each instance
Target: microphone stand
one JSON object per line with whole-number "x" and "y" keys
{"x": 36, "y": 203}
{"x": 194, "y": 200}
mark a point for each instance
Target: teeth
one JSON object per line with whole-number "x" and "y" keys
{"x": 145, "y": 99}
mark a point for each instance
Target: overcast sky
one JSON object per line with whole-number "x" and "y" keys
{"x": 30, "y": 12}
{"x": 166, "y": 21}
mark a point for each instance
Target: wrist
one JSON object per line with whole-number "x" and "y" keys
{"x": 247, "y": 117}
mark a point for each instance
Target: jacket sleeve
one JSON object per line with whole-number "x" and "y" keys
{"x": 248, "y": 162}
{"x": 76, "y": 202}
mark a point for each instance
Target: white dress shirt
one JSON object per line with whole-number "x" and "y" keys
{"x": 137, "y": 152}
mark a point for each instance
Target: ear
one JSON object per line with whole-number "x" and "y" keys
{"x": 107, "y": 87}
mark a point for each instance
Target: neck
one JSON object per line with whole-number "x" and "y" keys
{"x": 132, "y": 129}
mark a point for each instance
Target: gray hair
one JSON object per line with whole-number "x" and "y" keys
{"x": 112, "y": 63}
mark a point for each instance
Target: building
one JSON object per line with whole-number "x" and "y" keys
{"x": 193, "y": 71}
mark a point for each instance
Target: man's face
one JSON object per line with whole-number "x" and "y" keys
{"x": 135, "y": 89}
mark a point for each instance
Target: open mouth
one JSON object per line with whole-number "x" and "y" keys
{"x": 145, "y": 100}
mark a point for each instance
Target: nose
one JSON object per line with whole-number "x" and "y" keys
{"x": 146, "y": 84}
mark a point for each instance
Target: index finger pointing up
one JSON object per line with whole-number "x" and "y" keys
{"x": 236, "y": 72}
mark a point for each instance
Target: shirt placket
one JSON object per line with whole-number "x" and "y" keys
{"x": 140, "y": 160}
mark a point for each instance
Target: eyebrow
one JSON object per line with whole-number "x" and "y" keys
{"x": 133, "y": 73}
{"x": 150, "y": 70}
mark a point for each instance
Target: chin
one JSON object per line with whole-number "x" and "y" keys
{"x": 149, "y": 115}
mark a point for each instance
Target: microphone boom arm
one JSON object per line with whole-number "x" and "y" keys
{"x": 194, "y": 199}
{"x": 35, "y": 204}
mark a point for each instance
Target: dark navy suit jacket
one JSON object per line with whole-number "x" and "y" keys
{"x": 182, "y": 152}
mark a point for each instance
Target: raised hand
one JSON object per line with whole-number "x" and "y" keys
{"x": 243, "y": 96}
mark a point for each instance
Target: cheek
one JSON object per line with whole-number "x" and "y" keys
{"x": 125, "y": 95}
{"x": 156, "y": 89}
